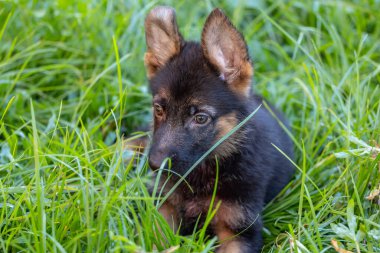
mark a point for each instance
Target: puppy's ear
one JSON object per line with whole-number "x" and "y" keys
{"x": 225, "y": 48}
{"x": 163, "y": 39}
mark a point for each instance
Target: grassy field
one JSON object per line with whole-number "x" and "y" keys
{"x": 72, "y": 83}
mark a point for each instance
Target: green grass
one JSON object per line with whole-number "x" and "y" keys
{"x": 72, "y": 81}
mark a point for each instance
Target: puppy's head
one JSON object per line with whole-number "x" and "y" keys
{"x": 199, "y": 90}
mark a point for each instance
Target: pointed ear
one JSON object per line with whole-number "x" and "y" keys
{"x": 225, "y": 48}
{"x": 163, "y": 39}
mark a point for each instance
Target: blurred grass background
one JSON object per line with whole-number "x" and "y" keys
{"x": 72, "y": 82}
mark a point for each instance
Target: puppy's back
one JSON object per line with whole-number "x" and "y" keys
{"x": 269, "y": 136}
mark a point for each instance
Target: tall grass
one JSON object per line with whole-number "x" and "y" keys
{"x": 72, "y": 83}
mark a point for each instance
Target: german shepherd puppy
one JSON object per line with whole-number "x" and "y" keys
{"x": 201, "y": 91}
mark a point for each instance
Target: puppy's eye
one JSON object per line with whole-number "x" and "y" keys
{"x": 201, "y": 118}
{"x": 158, "y": 110}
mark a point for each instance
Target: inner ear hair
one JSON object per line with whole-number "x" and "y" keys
{"x": 225, "y": 48}
{"x": 163, "y": 39}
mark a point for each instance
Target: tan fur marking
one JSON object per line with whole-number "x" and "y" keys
{"x": 232, "y": 246}
{"x": 162, "y": 94}
{"x": 196, "y": 101}
{"x": 226, "y": 49}
{"x": 171, "y": 215}
{"x": 163, "y": 39}
{"x": 169, "y": 212}
{"x": 197, "y": 206}
{"x": 242, "y": 84}
{"x": 224, "y": 125}
{"x": 151, "y": 64}
{"x": 169, "y": 209}
{"x": 228, "y": 216}
{"x": 164, "y": 186}
{"x": 224, "y": 234}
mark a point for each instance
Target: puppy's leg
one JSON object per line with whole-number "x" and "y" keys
{"x": 230, "y": 243}
{"x": 170, "y": 213}
{"x": 238, "y": 230}
{"x": 249, "y": 242}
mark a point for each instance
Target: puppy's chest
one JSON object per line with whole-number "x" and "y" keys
{"x": 191, "y": 206}
{"x": 192, "y": 198}
{"x": 201, "y": 182}
{"x": 229, "y": 216}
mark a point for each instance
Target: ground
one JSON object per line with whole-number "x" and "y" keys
{"x": 72, "y": 83}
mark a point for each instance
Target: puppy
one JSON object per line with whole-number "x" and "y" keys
{"x": 201, "y": 91}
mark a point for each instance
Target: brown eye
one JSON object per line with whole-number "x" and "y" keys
{"x": 158, "y": 111}
{"x": 201, "y": 118}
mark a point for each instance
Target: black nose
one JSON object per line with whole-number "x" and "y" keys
{"x": 155, "y": 160}
{"x": 157, "y": 157}
{"x": 154, "y": 164}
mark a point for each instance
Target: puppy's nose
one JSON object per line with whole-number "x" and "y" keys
{"x": 157, "y": 156}
{"x": 154, "y": 164}
{"x": 155, "y": 160}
